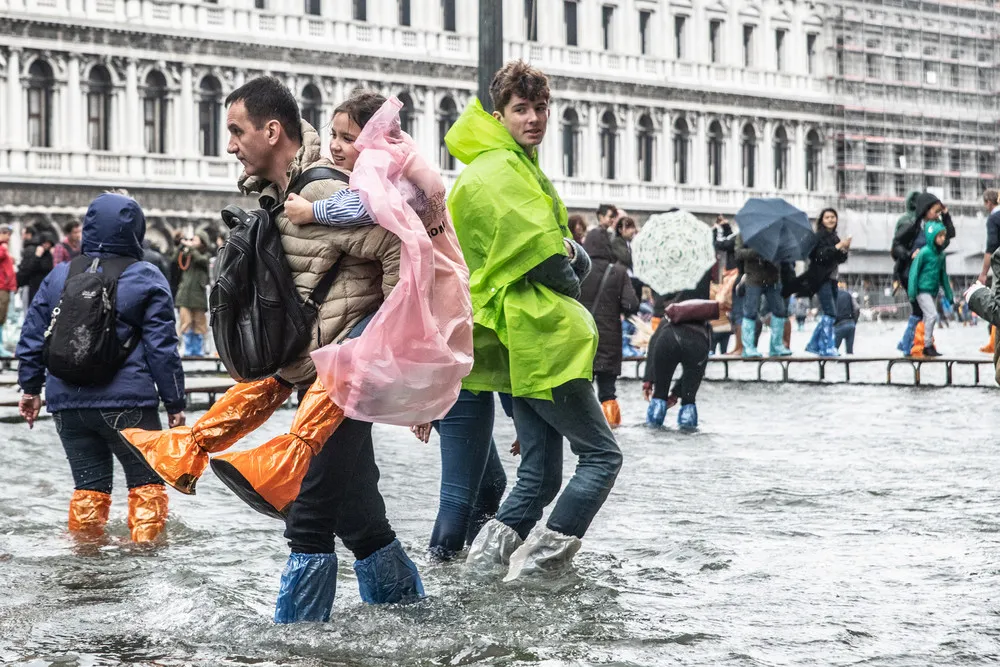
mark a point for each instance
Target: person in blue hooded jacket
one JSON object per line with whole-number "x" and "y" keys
{"x": 88, "y": 418}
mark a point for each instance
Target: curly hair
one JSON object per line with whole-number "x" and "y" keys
{"x": 518, "y": 78}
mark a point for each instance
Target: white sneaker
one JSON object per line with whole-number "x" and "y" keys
{"x": 493, "y": 546}
{"x": 544, "y": 552}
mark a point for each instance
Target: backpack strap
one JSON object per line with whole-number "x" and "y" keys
{"x": 301, "y": 181}
{"x": 112, "y": 268}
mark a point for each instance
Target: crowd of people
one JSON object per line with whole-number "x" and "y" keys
{"x": 540, "y": 315}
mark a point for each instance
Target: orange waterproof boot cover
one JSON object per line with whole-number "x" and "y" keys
{"x": 180, "y": 455}
{"x": 268, "y": 478}
{"x": 917, "y": 350}
{"x": 147, "y": 512}
{"x": 612, "y": 413}
{"x": 990, "y": 346}
{"x": 88, "y": 513}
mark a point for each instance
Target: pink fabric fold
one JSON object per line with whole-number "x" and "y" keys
{"x": 407, "y": 366}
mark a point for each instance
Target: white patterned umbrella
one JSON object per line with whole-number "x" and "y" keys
{"x": 672, "y": 252}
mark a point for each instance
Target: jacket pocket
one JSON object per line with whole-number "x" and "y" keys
{"x": 118, "y": 420}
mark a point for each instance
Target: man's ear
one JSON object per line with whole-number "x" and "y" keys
{"x": 274, "y": 132}
{"x": 498, "y": 116}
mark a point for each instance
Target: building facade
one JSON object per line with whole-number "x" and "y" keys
{"x": 656, "y": 103}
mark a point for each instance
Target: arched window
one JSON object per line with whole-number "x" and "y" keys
{"x": 748, "y": 144}
{"x": 40, "y": 85}
{"x": 209, "y": 116}
{"x": 645, "y": 149}
{"x": 715, "y": 139}
{"x": 609, "y": 145}
{"x": 312, "y": 106}
{"x": 571, "y": 143}
{"x": 682, "y": 141}
{"x": 780, "y": 158}
{"x": 154, "y": 113}
{"x": 406, "y": 114}
{"x": 814, "y": 151}
{"x": 99, "y": 109}
{"x": 447, "y": 115}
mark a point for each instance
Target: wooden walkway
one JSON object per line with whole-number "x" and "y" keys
{"x": 846, "y": 363}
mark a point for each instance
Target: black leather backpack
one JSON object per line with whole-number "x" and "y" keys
{"x": 259, "y": 321}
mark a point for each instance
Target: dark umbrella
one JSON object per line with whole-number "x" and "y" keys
{"x": 778, "y": 231}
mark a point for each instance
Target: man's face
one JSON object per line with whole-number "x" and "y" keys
{"x": 608, "y": 218}
{"x": 629, "y": 233}
{"x": 252, "y": 147}
{"x": 75, "y": 236}
{"x": 935, "y": 211}
{"x": 526, "y": 121}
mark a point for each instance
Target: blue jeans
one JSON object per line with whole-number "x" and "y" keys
{"x": 472, "y": 476}
{"x": 90, "y": 438}
{"x": 844, "y": 332}
{"x": 827, "y": 294}
{"x": 772, "y": 294}
{"x": 575, "y": 414}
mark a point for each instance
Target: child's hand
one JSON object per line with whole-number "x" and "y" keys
{"x": 299, "y": 210}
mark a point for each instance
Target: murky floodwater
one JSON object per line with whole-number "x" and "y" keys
{"x": 802, "y": 525}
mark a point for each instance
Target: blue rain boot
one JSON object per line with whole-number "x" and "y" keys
{"x": 196, "y": 344}
{"x": 4, "y": 353}
{"x": 388, "y": 576}
{"x": 828, "y": 337}
{"x": 815, "y": 344}
{"x": 778, "y": 348}
{"x": 906, "y": 344}
{"x": 687, "y": 420}
{"x": 747, "y": 332}
{"x": 308, "y": 586}
{"x": 656, "y": 413}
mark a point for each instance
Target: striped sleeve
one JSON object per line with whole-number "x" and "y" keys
{"x": 343, "y": 209}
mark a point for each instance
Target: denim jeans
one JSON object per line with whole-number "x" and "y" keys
{"x": 827, "y": 295}
{"x": 772, "y": 294}
{"x": 844, "y": 332}
{"x": 472, "y": 476}
{"x": 90, "y": 438}
{"x": 573, "y": 413}
{"x": 339, "y": 497}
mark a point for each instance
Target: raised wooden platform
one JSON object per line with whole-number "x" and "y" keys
{"x": 846, "y": 362}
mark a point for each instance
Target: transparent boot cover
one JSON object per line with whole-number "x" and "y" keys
{"x": 545, "y": 552}
{"x": 493, "y": 546}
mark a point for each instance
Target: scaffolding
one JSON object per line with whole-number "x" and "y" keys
{"x": 916, "y": 85}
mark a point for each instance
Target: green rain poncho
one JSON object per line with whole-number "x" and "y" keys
{"x": 528, "y": 338}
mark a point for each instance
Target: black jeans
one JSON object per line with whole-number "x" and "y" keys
{"x": 683, "y": 345}
{"x": 339, "y": 497}
{"x": 90, "y": 438}
{"x": 606, "y": 390}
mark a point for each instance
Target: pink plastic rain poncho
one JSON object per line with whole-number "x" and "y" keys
{"x": 407, "y": 366}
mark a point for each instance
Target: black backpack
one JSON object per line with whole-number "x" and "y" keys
{"x": 81, "y": 344}
{"x": 259, "y": 321}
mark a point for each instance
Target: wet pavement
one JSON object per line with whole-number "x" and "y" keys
{"x": 803, "y": 524}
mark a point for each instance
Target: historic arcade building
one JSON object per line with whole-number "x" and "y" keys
{"x": 657, "y": 103}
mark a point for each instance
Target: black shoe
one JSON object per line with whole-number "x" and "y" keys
{"x": 929, "y": 351}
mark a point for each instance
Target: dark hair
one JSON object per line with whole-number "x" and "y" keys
{"x": 991, "y": 196}
{"x": 266, "y": 99}
{"x": 603, "y": 209}
{"x": 47, "y": 237}
{"x": 361, "y": 106}
{"x": 819, "y": 219}
{"x": 70, "y": 226}
{"x": 575, "y": 220}
{"x": 623, "y": 223}
{"x": 518, "y": 78}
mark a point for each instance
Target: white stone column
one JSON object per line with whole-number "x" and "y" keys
{"x": 735, "y": 171}
{"x": 628, "y": 165}
{"x": 187, "y": 133}
{"x": 797, "y": 160}
{"x": 592, "y": 140}
{"x": 765, "y": 157}
{"x": 664, "y": 151}
{"x": 429, "y": 130}
{"x": 17, "y": 127}
{"x": 699, "y": 157}
{"x": 133, "y": 109}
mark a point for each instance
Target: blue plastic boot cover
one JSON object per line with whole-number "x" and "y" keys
{"x": 196, "y": 343}
{"x": 656, "y": 412}
{"x": 815, "y": 344}
{"x": 687, "y": 420}
{"x": 828, "y": 337}
{"x": 388, "y": 576}
{"x": 747, "y": 333}
{"x": 906, "y": 343}
{"x": 308, "y": 586}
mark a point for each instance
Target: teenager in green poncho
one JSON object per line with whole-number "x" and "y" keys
{"x": 532, "y": 338}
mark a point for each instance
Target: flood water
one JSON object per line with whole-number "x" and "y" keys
{"x": 813, "y": 525}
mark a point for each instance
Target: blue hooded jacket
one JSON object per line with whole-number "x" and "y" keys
{"x": 114, "y": 226}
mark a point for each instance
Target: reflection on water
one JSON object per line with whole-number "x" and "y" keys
{"x": 802, "y": 525}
